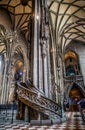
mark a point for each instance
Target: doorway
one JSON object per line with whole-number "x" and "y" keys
{"x": 75, "y": 95}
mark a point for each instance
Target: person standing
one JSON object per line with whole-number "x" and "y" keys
{"x": 82, "y": 108}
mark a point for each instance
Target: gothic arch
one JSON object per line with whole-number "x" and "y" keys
{"x": 21, "y": 47}
{"x": 71, "y": 62}
{"x": 68, "y": 89}
{"x": 18, "y": 52}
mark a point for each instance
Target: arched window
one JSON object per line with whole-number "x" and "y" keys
{"x": 70, "y": 71}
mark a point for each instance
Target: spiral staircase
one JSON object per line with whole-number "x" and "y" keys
{"x": 33, "y": 98}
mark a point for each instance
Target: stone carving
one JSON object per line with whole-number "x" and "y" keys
{"x": 44, "y": 46}
{"x": 31, "y": 97}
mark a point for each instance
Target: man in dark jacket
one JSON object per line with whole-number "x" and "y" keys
{"x": 82, "y": 108}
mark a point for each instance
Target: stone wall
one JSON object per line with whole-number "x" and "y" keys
{"x": 80, "y": 48}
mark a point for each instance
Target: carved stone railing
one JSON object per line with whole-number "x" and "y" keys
{"x": 37, "y": 101}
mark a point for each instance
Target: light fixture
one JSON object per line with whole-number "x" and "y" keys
{"x": 37, "y": 17}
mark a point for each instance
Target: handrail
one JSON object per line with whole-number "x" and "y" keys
{"x": 30, "y": 84}
{"x": 36, "y": 101}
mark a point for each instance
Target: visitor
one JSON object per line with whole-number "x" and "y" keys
{"x": 75, "y": 104}
{"x": 82, "y": 108}
{"x": 65, "y": 104}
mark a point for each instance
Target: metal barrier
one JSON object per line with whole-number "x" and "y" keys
{"x": 7, "y": 112}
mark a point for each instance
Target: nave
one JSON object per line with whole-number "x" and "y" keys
{"x": 74, "y": 122}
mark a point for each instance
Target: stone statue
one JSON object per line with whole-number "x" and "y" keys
{"x": 44, "y": 46}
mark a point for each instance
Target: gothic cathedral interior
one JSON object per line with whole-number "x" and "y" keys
{"x": 42, "y": 56}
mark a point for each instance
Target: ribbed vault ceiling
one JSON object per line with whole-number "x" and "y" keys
{"x": 68, "y": 20}
{"x": 20, "y": 12}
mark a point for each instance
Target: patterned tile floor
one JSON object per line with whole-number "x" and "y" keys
{"x": 74, "y": 122}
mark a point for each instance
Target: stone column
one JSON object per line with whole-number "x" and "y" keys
{"x": 61, "y": 85}
{"x": 44, "y": 32}
{"x": 49, "y": 83}
{"x": 26, "y": 114}
{"x": 39, "y": 116}
{"x": 44, "y": 65}
{"x": 35, "y": 41}
{"x": 49, "y": 75}
{"x": 40, "y": 69}
{"x": 1, "y": 71}
{"x": 58, "y": 84}
{"x": 4, "y": 86}
{"x": 45, "y": 74}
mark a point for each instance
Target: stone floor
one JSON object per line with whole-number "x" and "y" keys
{"x": 74, "y": 122}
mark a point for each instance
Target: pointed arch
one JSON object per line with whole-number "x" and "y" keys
{"x": 69, "y": 88}
{"x": 21, "y": 51}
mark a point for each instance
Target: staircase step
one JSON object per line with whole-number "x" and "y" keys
{"x": 46, "y": 122}
{"x": 35, "y": 122}
{"x": 56, "y": 121}
{"x": 40, "y": 122}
